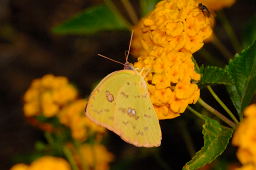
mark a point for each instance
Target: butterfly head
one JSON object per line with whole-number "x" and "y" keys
{"x": 128, "y": 66}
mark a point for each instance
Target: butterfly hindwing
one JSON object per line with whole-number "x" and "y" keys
{"x": 135, "y": 117}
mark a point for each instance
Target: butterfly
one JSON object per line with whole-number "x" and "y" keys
{"x": 121, "y": 103}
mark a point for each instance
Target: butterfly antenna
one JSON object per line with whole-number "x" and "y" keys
{"x": 110, "y": 59}
{"x": 127, "y": 55}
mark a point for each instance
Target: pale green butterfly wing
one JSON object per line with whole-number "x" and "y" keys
{"x": 135, "y": 117}
{"x": 101, "y": 105}
{"x": 112, "y": 105}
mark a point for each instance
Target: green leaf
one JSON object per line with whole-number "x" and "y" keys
{"x": 242, "y": 70}
{"x": 249, "y": 33}
{"x": 216, "y": 139}
{"x": 92, "y": 20}
{"x": 147, "y": 6}
{"x": 214, "y": 75}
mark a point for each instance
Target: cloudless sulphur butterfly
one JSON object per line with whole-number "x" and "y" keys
{"x": 121, "y": 103}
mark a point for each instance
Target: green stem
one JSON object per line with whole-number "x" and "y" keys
{"x": 112, "y": 6}
{"x": 70, "y": 158}
{"x": 216, "y": 113}
{"x": 195, "y": 112}
{"x": 130, "y": 10}
{"x": 222, "y": 104}
{"x": 215, "y": 41}
{"x": 49, "y": 138}
{"x": 230, "y": 31}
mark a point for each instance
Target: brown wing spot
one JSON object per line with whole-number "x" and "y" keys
{"x": 147, "y": 116}
{"x": 106, "y": 110}
{"x": 122, "y": 109}
{"x": 145, "y": 128}
{"x": 145, "y": 95}
{"x": 125, "y": 122}
{"x": 128, "y": 83}
{"x": 134, "y": 127}
{"x": 109, "y": 96}
{"x": 97, "y": 111}
{"x": 139, "y": 133}
{"x": 124, "y": 94}
{"x": 111, "y": 118}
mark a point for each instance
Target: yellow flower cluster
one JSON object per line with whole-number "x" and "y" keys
{"x": 217, "y": 4}
{"x": 245, "y": 139}
{"x": 44, "y": 163}
{"x": 94, "y": 156}
{"x": 47, "y": 95}
{"x": 73, "y": 116}
{"x": 164, "y": 42}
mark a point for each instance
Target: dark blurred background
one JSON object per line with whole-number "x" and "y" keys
{"x": 29, "y": 50}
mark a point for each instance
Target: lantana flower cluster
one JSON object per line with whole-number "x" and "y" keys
{"x": 44, "y": 163}
{"x": 92, "y": 156}
{"x": 55, "y": 96}
{"x": 245, "y": 139}
{"x": 73, "y": 116}
{"x": 58, "y": 95}
{"x": 164, "y": 42}
{"x": 47, "y": 95}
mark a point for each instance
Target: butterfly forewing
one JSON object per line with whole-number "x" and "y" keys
{"x": 102, "y": 101}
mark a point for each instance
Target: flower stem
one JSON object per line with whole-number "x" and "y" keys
{"x": 195, "y": 112}
{"x": 221, "y": 47}
{"x": 222, "y": 104}
{"x": 114, "y": 9}
{"x": 230, "y": 31}
{"x": 130, "y": 10}
{"x": 216, "y": 113}
{"x": 70, "y": 158}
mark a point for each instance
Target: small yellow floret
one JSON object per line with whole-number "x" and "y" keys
{"x": 49, "y": 163}
{"x": 44, "y": 163}
{"x": 247, "y": 167}
{"x": 245, "y": 137}
{"x": 20, "y": 167}
{"x": 95, "y": 156}
{"x": 72, "y": 115}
